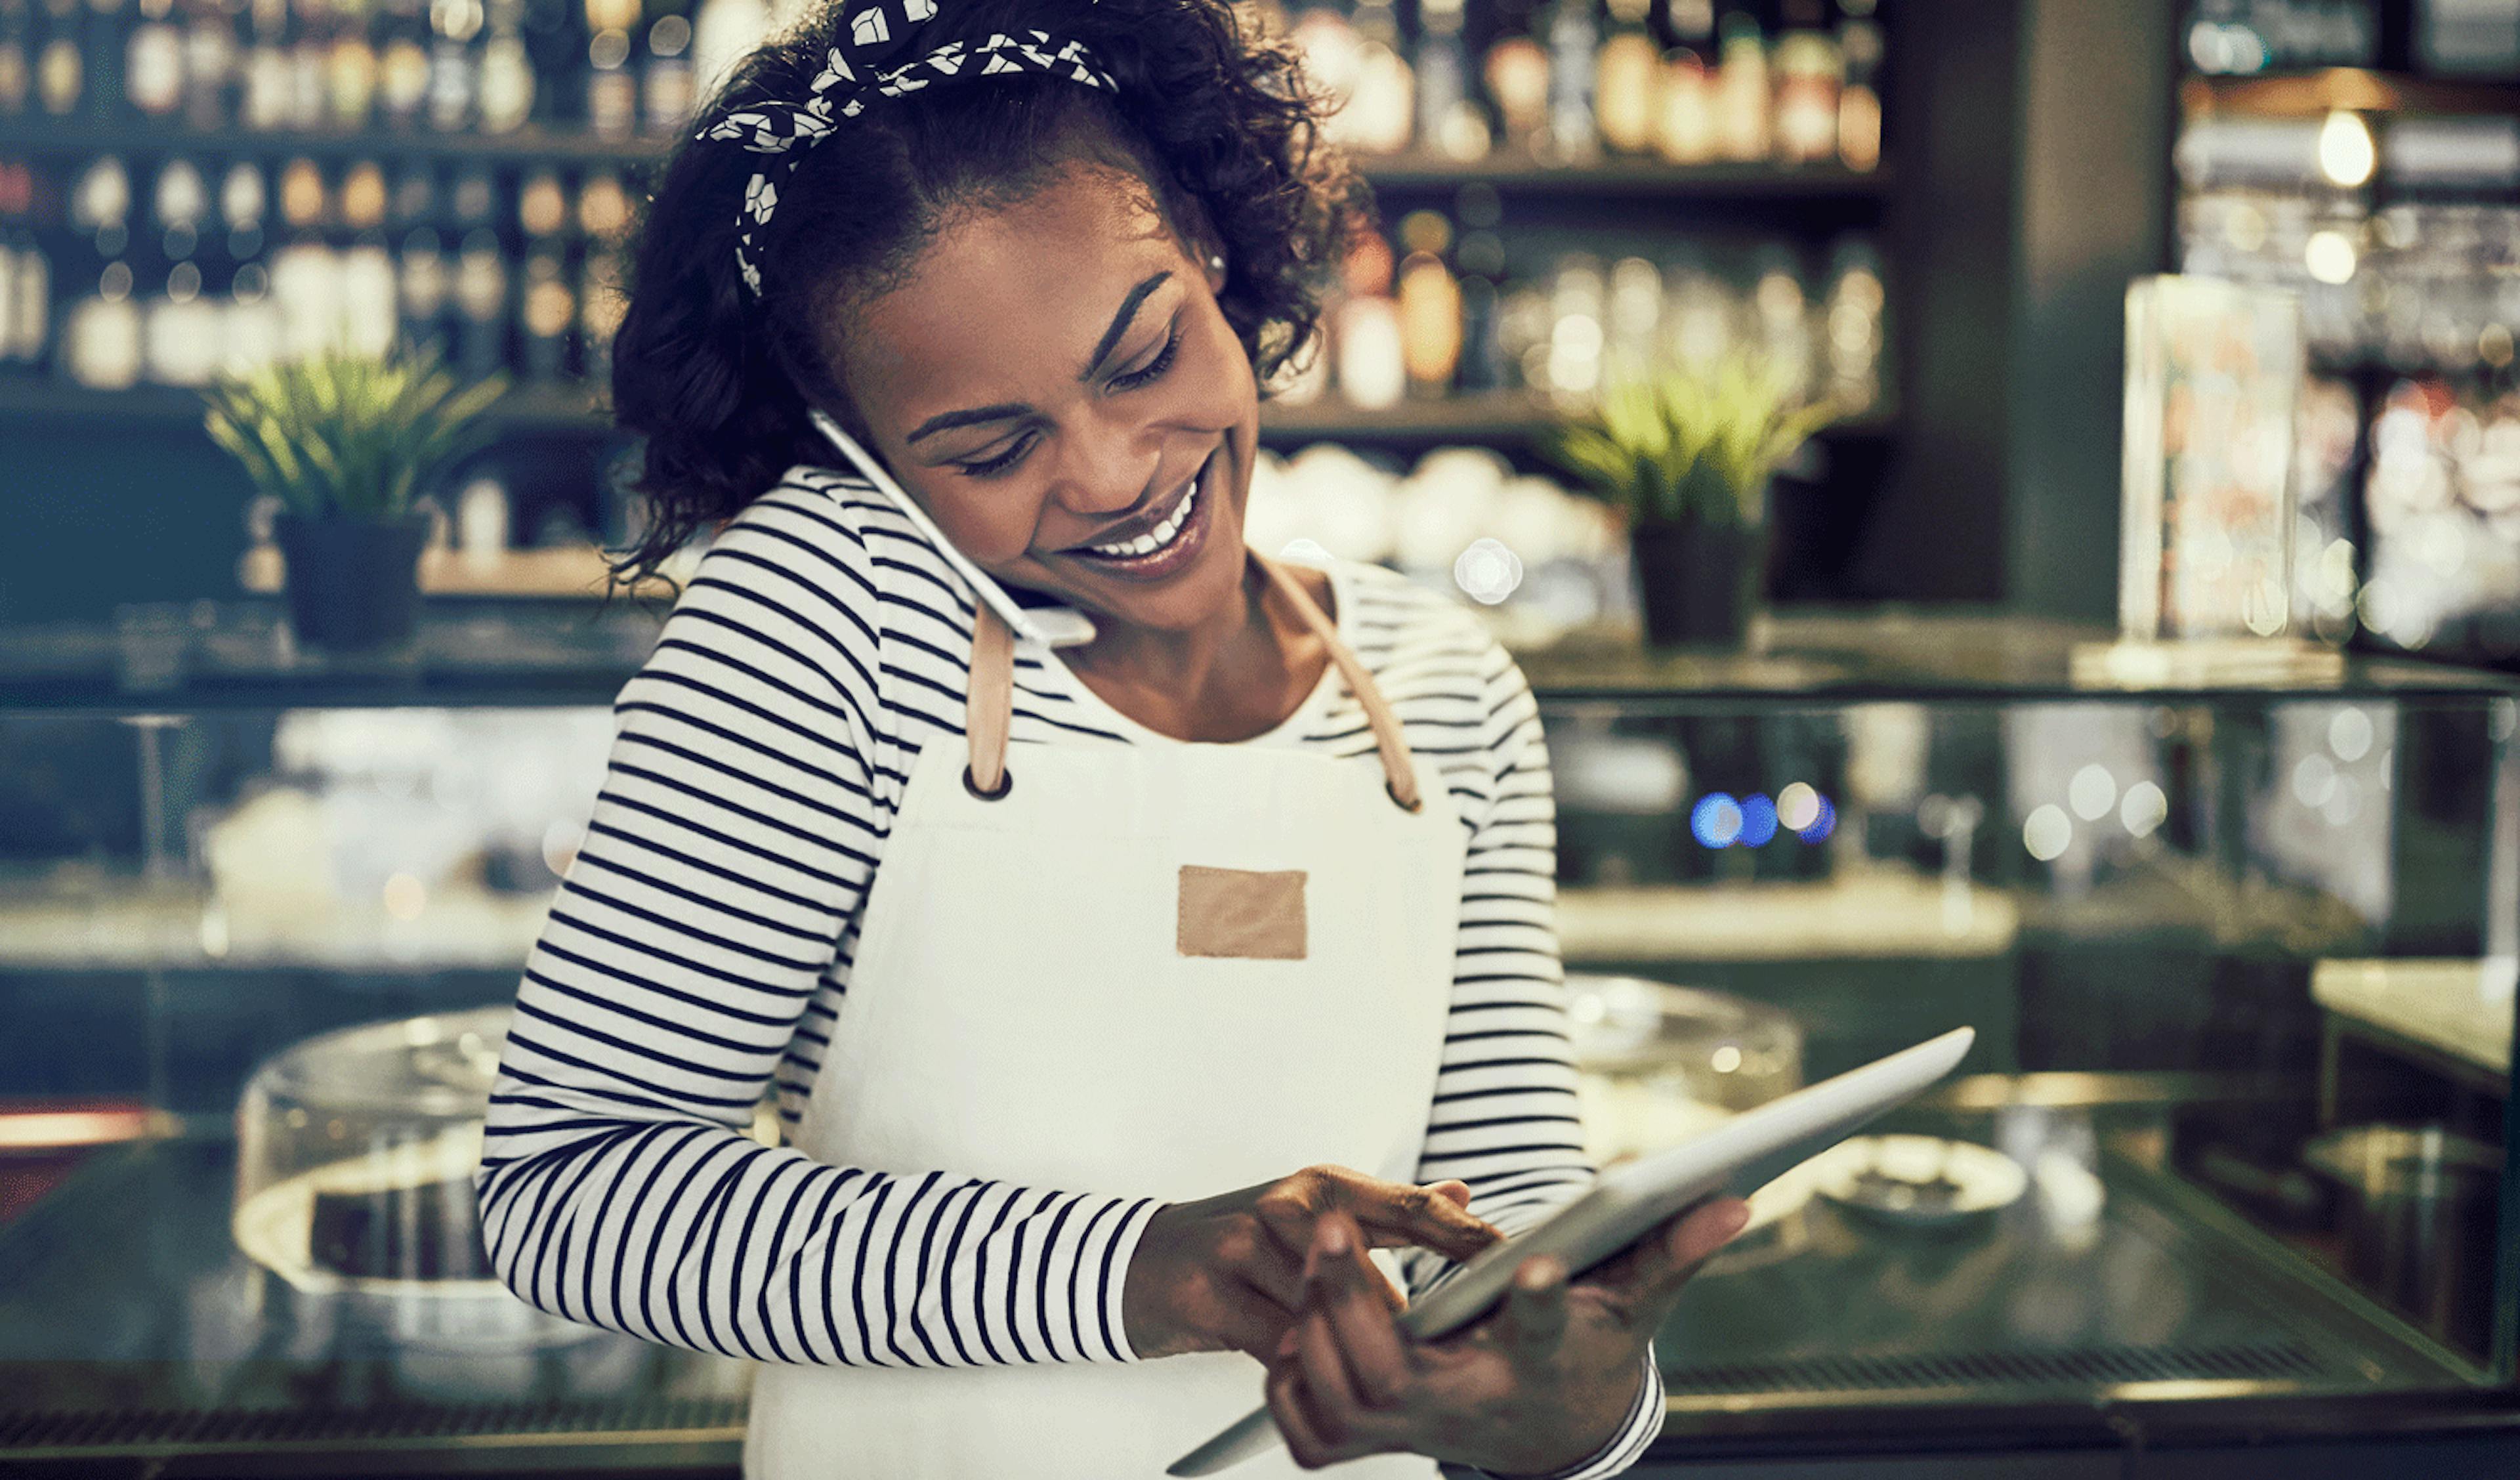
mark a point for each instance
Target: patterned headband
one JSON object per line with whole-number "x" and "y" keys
{"x": 864, "y": 64}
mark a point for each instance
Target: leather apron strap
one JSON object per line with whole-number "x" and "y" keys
{"x": 990, "y": 701}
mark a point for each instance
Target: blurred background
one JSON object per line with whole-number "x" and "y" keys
{"x": 2231, "y": 892}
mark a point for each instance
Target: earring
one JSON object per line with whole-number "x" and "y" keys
{"x": 1216, "y": 262}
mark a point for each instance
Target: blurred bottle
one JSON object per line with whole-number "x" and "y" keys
{"x": 1632, "y": 319}
{"x": 180, "y": 324}
{"x": 506, "y": 84}
{"x": 264, "y": 104}
{"x": 1701, "y": 318}
{"x": 415, "y": 200}
{"x": 211, "y": 63}
{"x": 668, "y": 96}
{"x": 422, "y": 292}
{"x": 364, "y": 197}
{"x": 1627, "y": 84}
{"x": 555, "y": 43}
{"x": 1574, "y": 34}
{"x": 454, "y": 77}
{"x": 152, "y": 64}
{"x": 351, "y": 67}
{"x": 723, "y": 31}
{"x": 481, "y": 305}
{"x": 1481, "y": 260}
{"x": 611, "y": 87}
{"x": 1784, "y": 318}
{"x": 18, "y": 45}
{"x": 542, "y": 205}
{"x": 1429, "y": 305}
{"x": 1859, "y": 104}
{"x": 103, "y": 55}
{"x": 546, "y": 313}
{"x": 1515, "y": 70}
{"x": 402, "y": 61}
{"x": 26, "y": 293}
{"x": 370, "y": 307}
{"x": 310, "y": 50}
{"x": 600, "y": 303}
{"x": 61, "y": 65}
{"x": 1744, "y": 101}
{"x": 1449, "y": 121}
{"x": 251, "y": 321}
{"x": 1364, "y": 335}
{"x": 1685, "y": 121}
{"x": 99, "y": 334}
{"x": 1808, "y": 74}
{"x": 603, "y": 209}
{"x": 1577, "y": 304}
{"x": 1854, "y": 308}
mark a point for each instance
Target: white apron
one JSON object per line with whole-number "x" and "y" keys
{"x": 1021, "y": 1010}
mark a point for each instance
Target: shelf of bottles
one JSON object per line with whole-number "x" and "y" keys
{"x": 188, "y": 186}
{"x": 2365, "y": 154}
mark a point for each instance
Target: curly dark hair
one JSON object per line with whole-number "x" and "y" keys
{"x": 1218, "y": 119}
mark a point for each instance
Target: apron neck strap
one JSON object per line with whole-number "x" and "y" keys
{"x": 990, "y": 701}
{"x": 1399, "y": 778}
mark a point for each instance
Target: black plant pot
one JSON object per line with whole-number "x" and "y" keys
{"x": 353, "y": 584}
{"x": 1696, "y": 582}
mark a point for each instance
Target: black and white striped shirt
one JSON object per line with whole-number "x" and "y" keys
{"x": 699, "y": 949}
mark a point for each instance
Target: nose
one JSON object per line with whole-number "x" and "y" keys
{"x": 1105, "y": 470}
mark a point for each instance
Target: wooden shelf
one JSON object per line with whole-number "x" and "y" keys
{"x": 1616, "y": 178}
{"x": 557, "y": 572}
{"x": 2351, "y": 89}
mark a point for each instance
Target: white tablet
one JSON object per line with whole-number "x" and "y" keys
{"x": 1738, "y": 1157}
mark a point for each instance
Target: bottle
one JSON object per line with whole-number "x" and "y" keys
{"x": 555, "y": 44}
{"x": 546, "y": 313}
{"x": 1371, "y": 371}
{"x": 310, "y": 57}
{"x": 104, "y": 57}
{"x": 1809, "y": 73}
{"x": 350, "y": 68}
{"x": 100, "y": 338}
{"x": 250, "y": 320}
{"x": 1744, "y": 104}
{"x": 507, "y": 81}
{"x": 1858, "y": 103}
{"x": 402, "y": 61}
{"x": 600, "y": 303}
{"x": 1429, "y": 305}
{"x": 370, "y": 307}
{"x": 452, "y": 73}
{"x": 1517, "y": 71}
{"x": 61, "y": 65}
{"x": 604, "y": 208}
{"x": 304, "y": 205}
{"x": 1449, "y": 121}
{"x": 1784, "y": 318}
{"x": 667, "y": 95}
{"x": 180, "y": 325}
{"x": 1632, "y": 319}
{"x": 414, "y": 196}
{"x": 1684, "y": 131}
{"x": 1627, "y": 79}
{"x": 1577, "y": 307}
{"x": 1573, "y": 136}
{"x": 17, "y": 60}
{"x": 29, "y": 309}
{"x": 611, "y": 88}
{"x": 17, "y": 198}
{"x": 364, "y": 200}
{"x": 481, "y": 305}
{"x": 266, "y": 101}
{"x": 1854, "y": 333}
{"x": 422, "y": 291}
{"x": 542, "y": 206}
{"x": 210, "y": 64}
{"x": 1481, "y": 261}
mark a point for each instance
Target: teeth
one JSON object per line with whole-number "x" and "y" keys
{"x": 1157, "y": 538}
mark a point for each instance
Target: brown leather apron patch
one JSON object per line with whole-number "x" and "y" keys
{"x": 1236, "y": 913}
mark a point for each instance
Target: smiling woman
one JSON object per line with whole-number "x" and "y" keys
{"x": 1116, "y": 1001}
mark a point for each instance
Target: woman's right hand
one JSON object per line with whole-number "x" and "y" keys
{"x": 1227, "y": 1272}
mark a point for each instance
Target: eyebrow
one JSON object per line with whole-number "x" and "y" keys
{"x": 1120, "y": 322}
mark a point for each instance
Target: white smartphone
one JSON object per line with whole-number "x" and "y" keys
{"x": 1051, "y": 626}
{"x": 1738, "y": 1157}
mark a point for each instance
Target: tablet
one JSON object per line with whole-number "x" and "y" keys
{"x": 1628, "y": 1202}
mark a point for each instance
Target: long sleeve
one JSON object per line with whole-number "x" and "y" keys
{"x": 739, "y": 827}
{"x": 1503, "y": 1118}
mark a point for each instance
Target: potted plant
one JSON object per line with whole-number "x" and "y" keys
{"x": 1686, "y": 456}
{"x": 346, "y": 442}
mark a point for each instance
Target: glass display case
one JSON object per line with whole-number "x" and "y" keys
{"x": 2236, "y": 1129}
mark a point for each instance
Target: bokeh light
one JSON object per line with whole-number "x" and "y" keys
{"x": 1797, "y": 806}
{"x": 2144, "y": 809}
{"x": 2048, "y": 833}
{"x": 1758, "y": 821}
{"x": 2092, "y": 792}
{"x": 1716, "y": 821}
{"x": 1821, "y": 826}
{"x": 1487, "y": 571}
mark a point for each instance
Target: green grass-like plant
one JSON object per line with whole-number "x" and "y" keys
{"x": 348, "y": 436}
{"x": 1679, "y": 446}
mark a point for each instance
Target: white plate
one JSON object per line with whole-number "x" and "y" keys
{"x": 1921, "y": 1180}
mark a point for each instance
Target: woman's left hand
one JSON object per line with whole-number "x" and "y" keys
{"x": 1539, "y": 1386}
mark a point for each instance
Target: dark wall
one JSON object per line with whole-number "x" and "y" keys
{"x": 107, "y": 511}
